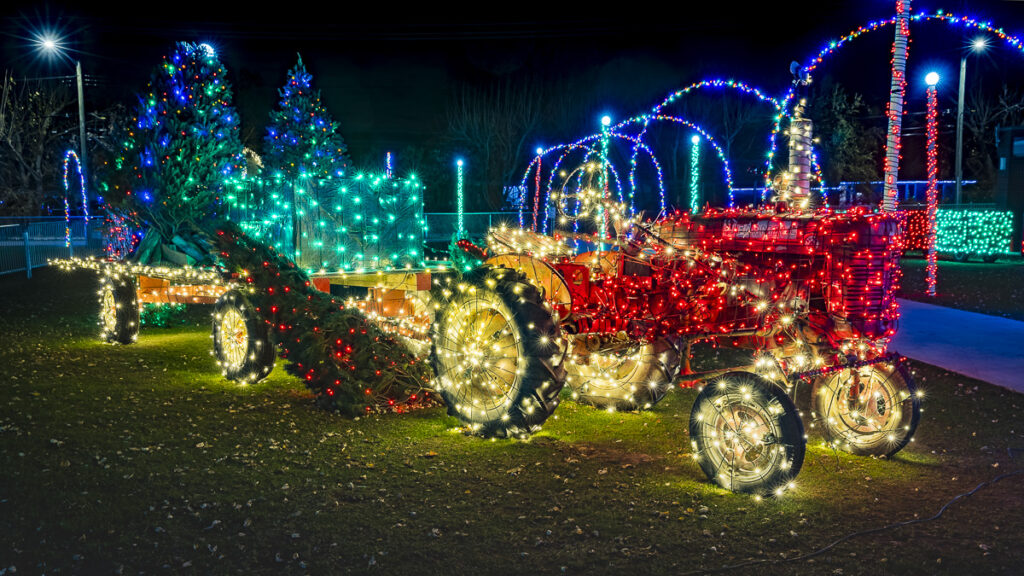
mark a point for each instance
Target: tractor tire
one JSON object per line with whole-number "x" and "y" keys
{"x": 119, "y": 310}
{"x": 746, "y": 434}
{"x": 242, "y": 341}
{"x": 496, "y": 353}
{"x": 633, "y": 377}
{"x": 868, "y": 411}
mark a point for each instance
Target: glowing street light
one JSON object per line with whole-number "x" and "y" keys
{"x": 978, "y": 45}
{"x": 932, "y": 78}
{"x": 53, "y": 46}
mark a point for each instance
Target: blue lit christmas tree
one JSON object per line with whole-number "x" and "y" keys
{"x": 302, "y": 138}
{"x": 183, "y": 147}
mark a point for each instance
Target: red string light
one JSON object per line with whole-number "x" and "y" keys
{"x": 933, "y": 192}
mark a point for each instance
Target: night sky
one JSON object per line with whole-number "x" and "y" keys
{"x": 386, "y": 73}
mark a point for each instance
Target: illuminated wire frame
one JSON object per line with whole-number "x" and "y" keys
{"x": 782, "y": 106}
{"x": 738, "y": 86}
{"x": 587, "y": 146}
{"x": 68, "y": 156}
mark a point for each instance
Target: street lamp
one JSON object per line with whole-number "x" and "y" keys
{"x": 978, "y": 45}
{"x": 53, "y": 46}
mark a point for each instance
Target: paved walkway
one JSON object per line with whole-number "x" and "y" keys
{"x": 985, "y": 347}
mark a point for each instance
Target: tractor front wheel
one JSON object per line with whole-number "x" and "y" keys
{"x": 241, "y": 340}
{"x": 746, "y": 434}
{"x": 870, "y": 411}
{"x": 119, "y": 310}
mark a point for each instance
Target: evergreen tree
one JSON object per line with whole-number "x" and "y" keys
{"x": 183, "y": 147}
{"x": 302, "y": 138}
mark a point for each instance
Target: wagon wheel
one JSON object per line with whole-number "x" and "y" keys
{"x": 747, "y": 435}
{"x": 119, "y": 310}
{"x": 870, "y": 411}
{"x": 630, "y": 376}
{"x": 495, "y": 353}
{"x": 242, "y": 342}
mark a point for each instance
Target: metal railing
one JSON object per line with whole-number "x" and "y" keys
{"x": 28, "y": 243}
{"x": 442, "y": 225}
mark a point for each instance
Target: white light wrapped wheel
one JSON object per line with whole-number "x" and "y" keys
{"x": 870, "y": 411}
{"x": 119, "y": 309}
{"x": 242, "y": 340}
{"x": 625, "y": 375}
{"x": 746, "y": 434}
{"x": 495, "y": 352}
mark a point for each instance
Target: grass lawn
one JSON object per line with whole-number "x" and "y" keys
{"x": 129, "y": 459}
{"x": 995, "y": 289}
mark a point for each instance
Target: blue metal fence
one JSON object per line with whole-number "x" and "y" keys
{"x": 28, "y": 243}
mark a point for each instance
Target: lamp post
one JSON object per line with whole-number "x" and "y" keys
{"x": 978, "y": 45}
{"x": 52, "y": 46}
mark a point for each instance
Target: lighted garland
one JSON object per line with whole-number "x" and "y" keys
{"x": 981, "y": 232}
{"x": 894, "y": 111}
{"x": 175, "y": 274}
{"x": 695, "y": 175}
{"x": 932, "y": 137}
{"x": 348, "y": 362}
{"x": 69, "y": 155}
{"x": 720, "y": 84}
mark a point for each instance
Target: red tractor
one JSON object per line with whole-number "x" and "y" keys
{"x": 811, "y": 295}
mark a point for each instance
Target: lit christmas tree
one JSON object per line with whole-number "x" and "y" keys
{"x": 302, "y": 138}
{"x": 183, "y": 147}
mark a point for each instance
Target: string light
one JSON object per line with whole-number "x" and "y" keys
{"x": 339, "y": 224}
{"x": 894, "y": 111}
{"x": 932, "y": 136}
{"x": 833, "y": 46}
{"x": 302, "y": 139}
{"x": 458, "y": 196}
{"x": 695, "y": 174}
{"x": 68, "y": 156}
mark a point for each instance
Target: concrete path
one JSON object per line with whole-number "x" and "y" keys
{"x": 985, "y": 347}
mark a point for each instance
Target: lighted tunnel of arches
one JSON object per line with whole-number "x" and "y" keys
{"x": 635, "y": 129}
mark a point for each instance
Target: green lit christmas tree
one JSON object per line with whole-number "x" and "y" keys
{"x": 183, "y": 147}
{"x": 302, "y": 138}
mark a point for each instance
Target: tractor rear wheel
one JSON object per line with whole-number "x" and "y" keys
{"x": 496, "y": 353}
